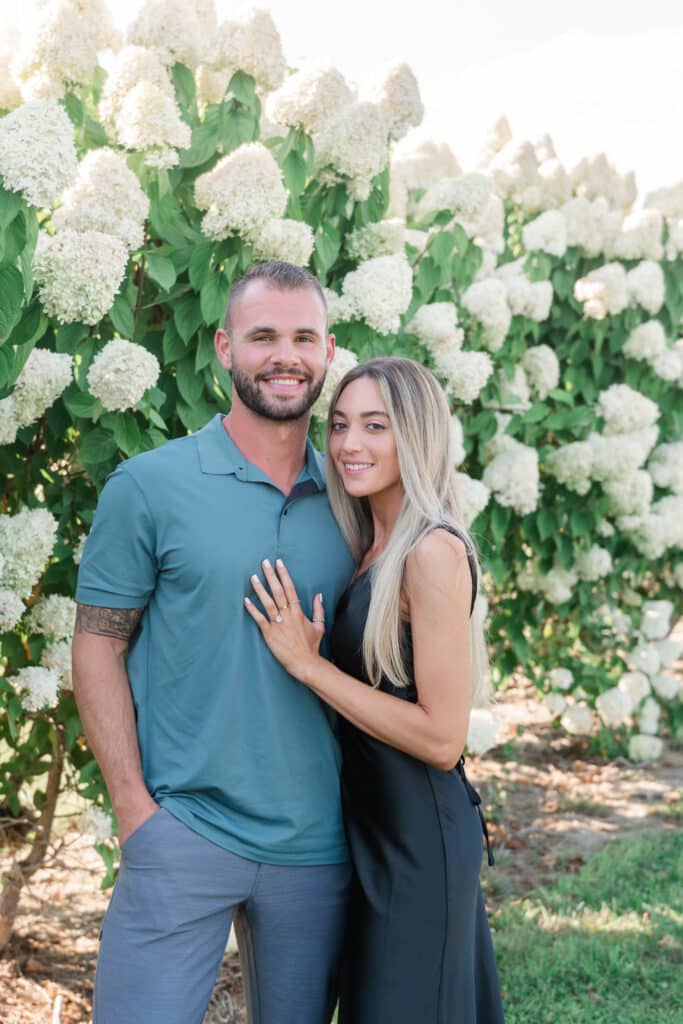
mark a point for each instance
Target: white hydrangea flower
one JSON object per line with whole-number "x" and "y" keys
{"x": 10, "y": 94}
{"x": 514, "y": 169}
{"x": 149, "y": 120}
{"x": 542, "y": 368}
{"x": 37, "y": 152}
{"x": 96, "y": 823}
{"x": 134, "y": 64}
{"x": 37, "y": 687}
{"x": 555, "y": 184}
{"x": 11, "y": 609}
{"x": 486, "y": 301}
{"x": 571, "y": 465}
{"x": 465, "y": 373}
{"x": 644, "y": 658}
{"x": 512, "y": 475}
{"x": 120, "y": 374}
{"x": 486, "y": 229}
{"x": 603, "y": 292}
{"x": 635, "y": 685}
{"x": 514, "y": 391}
{"x": 557, "y": 585}
{"x": 605, "y": 528}
{"x": 591, "y": 225}
{"x": 26, "y": 543}
{"x": 593, "y": 564}
{"x": 78, "y": 274}
{"x": 344, "y": 360}
{"x": 61, "y": 48}
{"x": 530, "y": 576}
{"x": 249, "y": 42}
{"x": 646, "y": 341}
{"x": 173, "y": 30}
{"x": 668, "y": 200}
{"x": 555, "y": 704}
{"x": 668, "y": 365}
{"x": 42, "y": 380}
{"x": 106, "y": 197}
{"x": 578, "y": 719}
{"x": 53, "y": 616}
{"x": 482, "y": 731}
{"x": 436, "y": 326}
{"x": 547, "y": 233}
{"x": 630, "y": 495}
{"x": 473, "y": 497}
{"x": 660, "y": 528}
{"x": 641, "y": 236}
{"x": 618, "y": 455}
{"x": 666, "y": 687}
{"x": 458, "y": 437}
{"x": 614, "y": 706}
{"x": 397, "y": 96}
{"x": 57, "y": 656}
{"x": 594, "y": 176}
{"x": 625, "y": 409}
{"x": 383, "y": 238}
{"x": 379, "y": 292}
{"x": 466, "y": 196}
{"x": 419, "y": 164}
{"x": 310, "y": 99}
{"x": 669, "y": 651}
{"x": 241, "y": 193}
{"x": 418, "y": 239}
{"x": 354, "y": 145}
{"x": 338, "y": 308}
{"x": 532, "y": 299}
{"x": 643, "y": 748}
{"x": 497, "y": 136}
{"x": 648, "y": 718}
{"x": 288, "y": 240}
{"x": 646, "y": 286}
{"x": 656, "y": 619}
{"x": 78, "y": 550}
{"x": 619, "y": 623}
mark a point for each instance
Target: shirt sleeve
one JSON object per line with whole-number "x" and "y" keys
{"x": 119, "y": 566}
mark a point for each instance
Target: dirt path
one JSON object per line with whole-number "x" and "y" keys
{"x": 549, "y": 804}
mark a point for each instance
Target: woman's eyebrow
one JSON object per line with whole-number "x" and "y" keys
{"x": 364, "y": 415}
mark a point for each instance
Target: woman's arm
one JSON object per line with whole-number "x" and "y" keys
{"x": 438, "y": 590}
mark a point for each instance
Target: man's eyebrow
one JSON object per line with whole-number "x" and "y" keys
{"x": 273, "y": 330}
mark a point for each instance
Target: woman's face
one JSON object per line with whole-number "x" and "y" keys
{"x": 362, "y": 444}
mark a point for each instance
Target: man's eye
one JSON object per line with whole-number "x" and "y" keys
{"x": 305, "y": 337}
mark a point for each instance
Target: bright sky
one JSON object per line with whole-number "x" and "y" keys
{"x": 595, "y": 74}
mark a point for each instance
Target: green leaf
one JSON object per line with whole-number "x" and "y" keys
{"x": 98, "y": 445}
{"x": 121, "y": 315}
{"x": 127, "y": 433}
{"x": 160, "y": 269}
{"x": 205, "y": 141}
{"x": 243, "y": 88}
{"x": 500, "y": 518}
{"x": 200, "y": 264}
{"x": 11, "y": 299}
{"x": 294, "y": 172}
{"x": 80, "y": 404}
{"x": 205, "y": 350}
{"x": 187, "y": 315}
{"x": 213, "y": 298}
{"x": 173, "y": 345}
{"x": 546, "y": 523}
{"x": 183, "y": 81}
{"x": 327, "y": 244}
{"x": 10, "y": 203}
{"x": 31, "y": 327}
{"x": 536, "y": 413}
{"x": 69, "y": 336}
{"x": 13, "y": 241}
{"x": 190, "y": 384}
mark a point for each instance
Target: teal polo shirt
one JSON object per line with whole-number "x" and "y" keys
{"x": 231, "y": 744}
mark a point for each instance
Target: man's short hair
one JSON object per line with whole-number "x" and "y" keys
{"x": 280, "y": 275}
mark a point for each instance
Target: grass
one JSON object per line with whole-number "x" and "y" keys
{"x": 604, "y": 946}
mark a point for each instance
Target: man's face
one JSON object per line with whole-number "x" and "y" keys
{"x": 278, "y": 350}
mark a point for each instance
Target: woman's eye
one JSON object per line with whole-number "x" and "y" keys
{"x": 336, "y": 427}
{"x": 375, "y": 426}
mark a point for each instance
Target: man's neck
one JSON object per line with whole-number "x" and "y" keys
{"x": 279, "y": 449}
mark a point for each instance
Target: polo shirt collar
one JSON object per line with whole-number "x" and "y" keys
{"x": 219, "y": 455}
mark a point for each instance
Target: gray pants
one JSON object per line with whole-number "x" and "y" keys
{"x": 168, "y": 922}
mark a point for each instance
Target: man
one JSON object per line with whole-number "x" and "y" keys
{"x": 222, "y": 769}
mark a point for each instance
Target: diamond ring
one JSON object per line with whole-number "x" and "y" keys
{"x": 278, "y": 618}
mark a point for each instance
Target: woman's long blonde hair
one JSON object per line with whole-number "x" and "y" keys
{"x": 421, "y": 423}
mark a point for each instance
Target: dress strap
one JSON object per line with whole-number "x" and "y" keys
{"x": 471, "y": 561}
{"x": 475, "y": 800}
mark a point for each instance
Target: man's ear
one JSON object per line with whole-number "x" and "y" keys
{"x": 221, "y": 343}
{"x": 331, "y": 344}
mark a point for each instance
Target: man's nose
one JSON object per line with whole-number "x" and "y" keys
{"x": 286, "y": 352}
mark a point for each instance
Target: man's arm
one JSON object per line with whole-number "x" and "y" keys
{"x": 105, "y": 704}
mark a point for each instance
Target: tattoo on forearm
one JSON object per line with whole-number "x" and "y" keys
{"x": 116, "y": 622}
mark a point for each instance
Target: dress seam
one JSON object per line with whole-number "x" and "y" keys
{"x": 445, "y": 875}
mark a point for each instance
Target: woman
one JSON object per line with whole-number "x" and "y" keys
{"x": 409, "y": 659}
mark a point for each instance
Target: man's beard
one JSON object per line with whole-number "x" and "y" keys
{"x": 248, "y": 390}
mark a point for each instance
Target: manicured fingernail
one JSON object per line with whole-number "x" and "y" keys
{"x": 247, "y": 601}
{"x": 254, "y": 578}
{"x": 265, "y": 563}
{"x": 321, "y": 598}
{"x": 279, "y": 563}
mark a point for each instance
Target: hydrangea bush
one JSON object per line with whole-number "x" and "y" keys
{"x": 548, "y": 306}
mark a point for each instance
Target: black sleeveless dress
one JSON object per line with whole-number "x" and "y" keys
{"x": 418, "y": 947}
